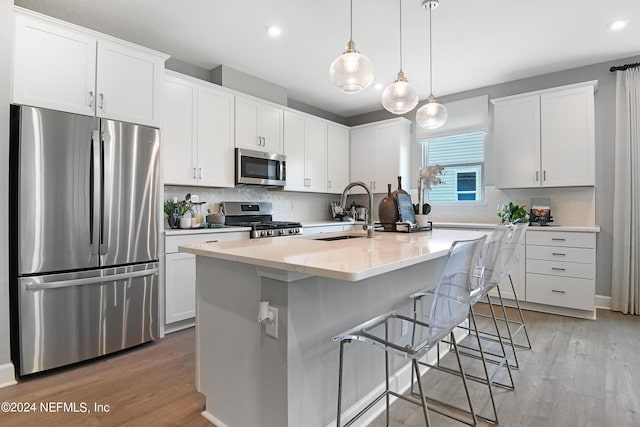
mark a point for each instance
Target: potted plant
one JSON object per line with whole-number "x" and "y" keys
{"x": 427, "y": 177}
{"x": 175, "y": 210}
{"x": 513, "y": 214}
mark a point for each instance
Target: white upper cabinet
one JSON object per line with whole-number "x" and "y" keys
{"x": 305, "y": 145}
{"x": 379, "y": 154}
{"x": 68, "y": 68}
{"x": 546, "y": 139}
{"x": 128, "y": 83}
{"x": 337, "y": 158}
{"x": 259, "y": 125}
{"x": 198, "y": 146}
{"x": 179, "y": 144}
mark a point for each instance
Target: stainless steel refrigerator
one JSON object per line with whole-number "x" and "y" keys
{"x": 83, "y": 237}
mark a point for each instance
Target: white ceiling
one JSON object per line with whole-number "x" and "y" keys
{"x": 475, "y": 43}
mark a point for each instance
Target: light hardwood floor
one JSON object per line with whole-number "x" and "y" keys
{"x": 579, "y": 373}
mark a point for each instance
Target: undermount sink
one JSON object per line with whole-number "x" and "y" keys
{"x": 343, "y": 237}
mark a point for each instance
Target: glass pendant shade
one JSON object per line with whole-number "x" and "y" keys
{"x": 431, "y": 115}
{"x": 351, "y": 72}
{"x": 400, "y": 97}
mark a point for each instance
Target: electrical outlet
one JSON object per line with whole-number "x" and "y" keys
{"x": 271, "y": 327}
{"x": 405, "y": 327}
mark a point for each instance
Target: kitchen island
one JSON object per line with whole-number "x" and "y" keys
{"x": 320, "y": 288}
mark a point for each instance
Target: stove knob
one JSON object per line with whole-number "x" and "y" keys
{"x": 281, "y": 231}
{"x": 296, "y": 230}
{"x": 269, "y": 232}
{"x": 263, "y": 233}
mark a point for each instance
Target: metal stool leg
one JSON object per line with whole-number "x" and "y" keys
{"x": 425, "y": 412}
{"x": 340, "y": 382}
{"x": 522, "y": 322}
{"x": 464, "y": 378}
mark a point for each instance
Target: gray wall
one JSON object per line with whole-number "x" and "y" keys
{"x": 604, "y": 121}
{"x": 6, "y": 35}
{"x": 245, "y": 83}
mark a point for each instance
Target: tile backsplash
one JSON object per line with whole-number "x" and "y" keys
{"x": 287, "y": 206}
{"x": 569, "y": 206}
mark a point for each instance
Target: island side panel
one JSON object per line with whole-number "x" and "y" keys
{"x": 228, "y": 341}
{"x": 321, "y": 308}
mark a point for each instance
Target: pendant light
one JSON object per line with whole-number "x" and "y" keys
{"x": 431, "y": 115}
{"x": 400, "y": 97}
{"x": 351, "y": 72}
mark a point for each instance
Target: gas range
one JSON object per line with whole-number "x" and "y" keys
{"x": 258, "y": 216}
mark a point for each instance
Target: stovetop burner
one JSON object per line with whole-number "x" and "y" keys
{"x": 258, "y": 216}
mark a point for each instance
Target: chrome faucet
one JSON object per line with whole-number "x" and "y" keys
{"x": 369, "y": 226}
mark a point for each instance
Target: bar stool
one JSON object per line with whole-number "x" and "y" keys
{"x": 484, "y": 279}
{"x": 448, "y": 308}
{"x": 515, "y": 234}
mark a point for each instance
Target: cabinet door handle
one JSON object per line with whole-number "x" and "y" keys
{"x": 309, "y": 179}
{"x": 91, "y": 99}
{"x": 200, "y": 173}
{"x": 558, "y": 239}
{"x": 211, "y": 241}
{"x": 537, "y": 176}
{"x": 555, "y": 291}
{"x": 558, "y": 269}
{"x": 329, "y": 184}
{"x": 264, "y": 141}
{"x": 544, "y": 175}
{"x": 101, "y": 105}
{"x": 558, "y": 254}
{"x": 194, "y": 173}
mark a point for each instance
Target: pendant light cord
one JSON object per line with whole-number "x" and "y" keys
{"x": 351, "y": 20}
{"x": 400, "y": 1}
{"x": 430, "y": 56}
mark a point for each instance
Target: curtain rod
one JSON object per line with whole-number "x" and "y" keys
{"x": 624, "y": 67}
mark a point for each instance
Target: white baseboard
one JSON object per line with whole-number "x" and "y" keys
{"x": 603, "y": 302}
{"x": 7, "y": 375}
{"x": 213, "y": 419}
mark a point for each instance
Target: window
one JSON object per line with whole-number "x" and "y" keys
{"x": 462, "y": 156}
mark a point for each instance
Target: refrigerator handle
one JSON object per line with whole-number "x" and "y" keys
{"x": 36, "y": 286}
{"x": 105, "y": 198}
{"x": 94, "y": 204}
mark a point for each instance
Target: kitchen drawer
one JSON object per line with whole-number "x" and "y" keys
{"x": 562, "y": 254}
{"x": 561, "y": 291}
{"x": 562, "y": 269}
{"x": 560, "y": 238}
{"x": 171, "y": 243}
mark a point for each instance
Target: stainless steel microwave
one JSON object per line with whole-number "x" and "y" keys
{"x": 259, "y": 168}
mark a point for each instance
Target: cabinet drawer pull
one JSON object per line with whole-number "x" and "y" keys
{"x": 558, "y": 239}
{"x": 555, "y": 291}
{"x": 558, "y": 254}
{"x": 558, "y": 268}
{"x": 211, "y": 241}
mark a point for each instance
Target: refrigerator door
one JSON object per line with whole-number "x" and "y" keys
{"x": 56, "y": 229}
{"x": 130, "y": 159}
{"x": 69, "y": 317}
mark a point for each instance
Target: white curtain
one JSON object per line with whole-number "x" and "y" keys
{"x": 625, "y": 280}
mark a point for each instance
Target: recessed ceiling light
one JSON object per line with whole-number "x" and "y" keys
{"x": 618, "y": 25}
{"x": 378, "y": 86}
{"x": 274, "y": 31}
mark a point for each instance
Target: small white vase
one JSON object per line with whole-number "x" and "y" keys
{"x": 422, "y": 220}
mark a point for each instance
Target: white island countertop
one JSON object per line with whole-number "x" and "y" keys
{"x": 350, "y": 259}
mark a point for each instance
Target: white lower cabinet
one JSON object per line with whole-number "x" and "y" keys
{"x": 180, "y": 276}
{"x": 180, "y": 287}
{"x": 561, "y": 269}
